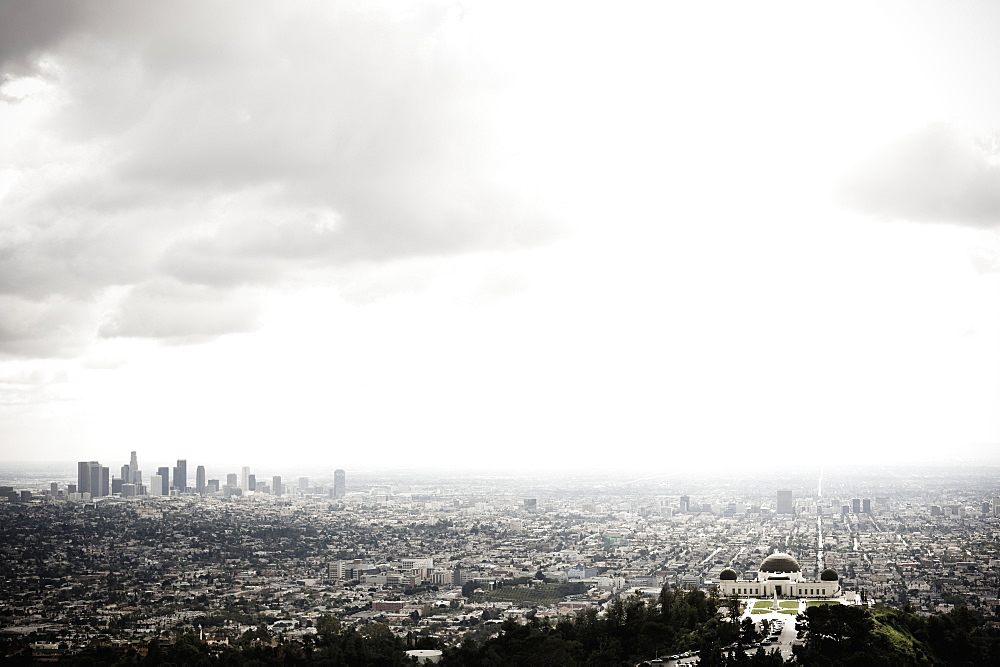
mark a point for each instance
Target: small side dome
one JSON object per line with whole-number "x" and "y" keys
{"x": 729, "y": 574}
{"x": 828, "y": 575}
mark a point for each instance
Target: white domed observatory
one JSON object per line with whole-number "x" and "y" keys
{"x": 779, "y": 574}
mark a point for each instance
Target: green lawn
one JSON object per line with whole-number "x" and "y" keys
{"x": 789, "y": 604}
{"x": 817, "y": 603}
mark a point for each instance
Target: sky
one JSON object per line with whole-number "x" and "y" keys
{"x": 499, "y": 235}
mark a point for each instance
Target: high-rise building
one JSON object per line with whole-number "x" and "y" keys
{"x": 785, "y": 505}
{"x": 856, "y": 505}
{"x": 245, "y": 480}
{"x": 253, "y": 482}
{"x": 200, "y": 483}
{"x": 339, "y": 483}
{"x": 213, "y": 486}
{"x": 105, "y": 481}
{"x": 163, "y": 473}
{"x": 303, "y": 484}
{"x": 155, "y": 485}
{"x": 94, "y": 479}
{"x": 685, "y": 503}
{"x": 83, "y": 477}
{"x": 116, "y": 485}
{"x": 133, "y": 466}
{"x": 181, "y": 475}
{"x": 866, "y": 505}
{"x": 54, "y": 490}
{"x": 276, "y": 485}
{"x": 231, "y": 480}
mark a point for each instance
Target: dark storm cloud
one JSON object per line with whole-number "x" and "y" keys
{"x": 231, "y": 144}
{"x": 935, "y": 175}
{"x": 29, "y": 27}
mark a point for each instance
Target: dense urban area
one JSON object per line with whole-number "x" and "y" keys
{"x": 359, "y": 568}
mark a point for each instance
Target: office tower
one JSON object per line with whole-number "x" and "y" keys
{"x": 785, "y": 502}
{"x": 133, "y": 465}
{"x": 866, "y": 505}
{"x": 231, "y": 480}
{"x": 94, "y": 479}
{"x": 126, "y": 473}
{"x": 54, "y": 490}
{"x": 213, "y": 486}
{"x": 181, "y": 475}
{"x": 685, "y": 503}
{"x": 276, "y": 485}
{"x": 252, "y": 479}
{"x": 89, "y": 478}
{"x": 856, "y": 505}
{"x": 164, "y": 474}
{"x": 199, "y": 477}
{"x": 71, "y": 489}
{"x": 116, "y": 485}
{"x": 83, "y": 476}
{"x": 245, "y": 479}
{"x": 156, "y": 485}
{"x": 996, "y": 505}
{"x": 303, "y": 484}
{"x": 105, "y": 481}
{"x": 339, "y": 484}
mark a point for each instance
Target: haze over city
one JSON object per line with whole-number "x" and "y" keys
{"x": 499, "y": 235}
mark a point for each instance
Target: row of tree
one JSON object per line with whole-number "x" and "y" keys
{"x": 632, "y": 631}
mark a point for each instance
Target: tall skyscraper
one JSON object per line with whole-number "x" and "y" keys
{"x": 83, "y": 477}
{"x": 785, "y": 505}
{"x": 339, "y": 483}
{"x": 856, "y": 505}
{"x": 231, "y": 480}
{"x": 105, "y": 481}
{"x": 200, "y": 482}
{"x": 276, "y": 485}
{"x": 155, "y": 485}
{"x": 181, "y": 475}
{"x": 245, "y": 480}
{"x": 164, "y": 474}
{"x": 685, "y": 503}
{"x": 94, "y": 479}
{"x": 866, "y": 505}
{"x": 133, "y": 466}
{"x": 253, "y": 482}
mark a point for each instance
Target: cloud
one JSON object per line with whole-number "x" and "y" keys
{"x": 938, "y": 174}
{"x": 178, "y": 313}
{"x": 225, "y": 145}
{"x": 52, "y": 327}
{"x": 29, "y": 27}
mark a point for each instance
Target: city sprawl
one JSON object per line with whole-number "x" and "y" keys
{"x": 451, "y": 557}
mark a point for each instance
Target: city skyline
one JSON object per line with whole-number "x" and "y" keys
{"x": 499, "y": 235}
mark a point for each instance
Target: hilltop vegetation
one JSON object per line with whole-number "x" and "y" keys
{"x": 633, "y": 630}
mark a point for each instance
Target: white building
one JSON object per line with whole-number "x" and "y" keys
{"x": 779, "y": 574}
